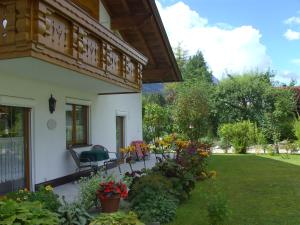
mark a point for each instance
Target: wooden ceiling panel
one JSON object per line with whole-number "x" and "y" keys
{"x": 140, "y": 25}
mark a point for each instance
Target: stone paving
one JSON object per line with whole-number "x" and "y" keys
{"x": 71, "y": 190}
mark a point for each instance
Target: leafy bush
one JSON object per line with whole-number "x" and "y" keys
{"x": 152, "y": 198}
{"x": 147, "y": 183}
{"x": 45, "y": 195}
{"x": 25, "y": 213}
{"x": 218, "y": 210}
{"x": 87, "y": 189}
{"x": 240, "y": 135}
{"x": 194, "y": 159}
{"x": 19, "y": 196}
{"x": 73, "y": 214}
{"x": 118, "y": 218}
{"x": 155, "y": 206}
{"x": 182, "y": 180}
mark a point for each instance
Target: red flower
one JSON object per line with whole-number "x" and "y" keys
{"x": 112, "y": 188}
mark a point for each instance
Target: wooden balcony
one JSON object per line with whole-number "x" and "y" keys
{"x": 61, "y": 33}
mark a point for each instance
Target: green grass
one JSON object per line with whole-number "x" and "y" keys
{"x": 260, "y": 191}
{"x": 292, "y": 159}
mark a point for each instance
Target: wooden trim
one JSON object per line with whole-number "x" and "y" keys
{"x": 118, "y": 93}
{"x": 86, "y": 121}
{"x": 86, "y": 125}
{"x": 27, "y": 147}
{"x": 62, "y": 33}
{"x": 65, "y": 179}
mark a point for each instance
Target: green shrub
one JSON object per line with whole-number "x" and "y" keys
{"x": 217, "y": 208}
{"x": 153, "y": 198}
{"x": 182, "y": 180}
{"x": 194, "y": 160}
{"x": 240, "y": 135}
{"x": 270, "y": 150}
{"x": 155, "y": 206}
{"x": 87, "y": 190}
{"x": 118, "y": 218}
{"x": 26, "y": 213}
{"x": 73, "y": 214}
{"x": 45, "y": 195}
{"x": 150, "y": 181}
{"x": 19, "y": 196}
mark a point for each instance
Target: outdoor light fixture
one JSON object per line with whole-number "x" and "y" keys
{"x": 52, "y": 104}
{"x": 4, "y": 23}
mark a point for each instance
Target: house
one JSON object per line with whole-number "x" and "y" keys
{"x": 71, "y": 73}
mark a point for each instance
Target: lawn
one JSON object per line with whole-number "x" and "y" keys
{"x": 260, "y": 190}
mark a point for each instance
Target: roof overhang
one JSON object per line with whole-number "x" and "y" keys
{"x": 139, "y": 23}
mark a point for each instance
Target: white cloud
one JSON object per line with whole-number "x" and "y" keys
{"x": 292, "y": 35}
{"x": 296, "y": 61}
{"x": 226, "y": 49}
{"x": 287, "y": 76}
{"x": 294, "y": 20}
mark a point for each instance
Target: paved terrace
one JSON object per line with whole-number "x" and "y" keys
{"x": 71, "y": 190}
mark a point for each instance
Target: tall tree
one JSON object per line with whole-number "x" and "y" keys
{"x": 192, "y": 109}
{"x": 196, "y": 67}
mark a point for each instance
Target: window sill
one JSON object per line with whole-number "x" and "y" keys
{"x": 79, "y": 146}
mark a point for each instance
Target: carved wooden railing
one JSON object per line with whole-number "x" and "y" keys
{"x": 59, "y": 32}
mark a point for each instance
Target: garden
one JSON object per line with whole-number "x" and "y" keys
{"x": 150, "y": 196}
{"x": 189, "y": 184}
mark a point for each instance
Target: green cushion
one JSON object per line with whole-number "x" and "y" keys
{"x": 98, "y": 153}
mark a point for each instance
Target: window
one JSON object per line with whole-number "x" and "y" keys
{"x": 76, "y": 125}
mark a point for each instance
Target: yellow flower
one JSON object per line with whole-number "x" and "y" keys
{"x": 26, "y": 190}
{"x": 203, "y": 174}
{"x": 49, "y": 188}
{"x": 182, "y": 144}
{"x": 203, "y": 153}
{"x": 213, "y": 174}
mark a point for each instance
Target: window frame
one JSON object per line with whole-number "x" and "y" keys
{"x": 86, "y": 119}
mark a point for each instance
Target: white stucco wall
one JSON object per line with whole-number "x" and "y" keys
{"x": 49, "y": 156}
{"x": 108, "y": 107}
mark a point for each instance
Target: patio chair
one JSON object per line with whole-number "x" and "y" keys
{"x": 82, "y": 164}
{"x": 110, "y": 160}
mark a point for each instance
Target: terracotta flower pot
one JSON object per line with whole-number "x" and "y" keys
{"x": 109, "y": 204}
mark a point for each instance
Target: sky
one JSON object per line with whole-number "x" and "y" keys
{"x": 237, "y": 36}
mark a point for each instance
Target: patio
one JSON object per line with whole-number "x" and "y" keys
{"x": 71, "y": 190}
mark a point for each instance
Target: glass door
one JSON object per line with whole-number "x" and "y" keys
{"x": 120, "y": 135}
{"x": 14, "y": 152}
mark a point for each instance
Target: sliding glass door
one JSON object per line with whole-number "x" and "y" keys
{"x": 14, "y": 152}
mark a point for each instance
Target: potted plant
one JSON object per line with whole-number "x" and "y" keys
{"x": 109, "y": 194}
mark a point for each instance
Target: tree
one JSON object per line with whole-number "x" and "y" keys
{"x": 191, "y": 109}
{"x": 196, "y": 67}
{"x": 252, "y": 97}
{"x": 242, "y": 97}
{"x": 156, "y": 121}
{"x": 181, "y": 57}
